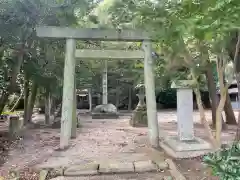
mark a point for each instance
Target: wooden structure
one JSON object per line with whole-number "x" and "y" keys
{"x": 71, "y": 35}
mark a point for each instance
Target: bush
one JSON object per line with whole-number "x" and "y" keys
{"x": 168, "y": 98}
{"x": 225, "y": 163}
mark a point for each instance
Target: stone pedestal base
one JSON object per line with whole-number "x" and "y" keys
{"x": 185, "y": 149}
{"x": 139, "y": 117}
{"x": 105, "y": 116}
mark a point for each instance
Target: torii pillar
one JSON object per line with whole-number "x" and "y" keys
{"x": 68, "y": 101}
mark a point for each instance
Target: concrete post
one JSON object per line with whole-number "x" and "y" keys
{"x": 150, "y": 95}
{"x": 47, "y": 107}
{"x": 68, "y": 86}
{"x": 185, "y": 114}
{"x": 14, "y": 126}
{"x": 104, "y": 84}
{"x": 74, "y": 113}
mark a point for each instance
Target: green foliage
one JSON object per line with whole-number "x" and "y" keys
{"x": 8, "y": 113}
{"x": 199, "y": 28}
{"x": 43, "y": 59}
{"x": 225, "y": 163}
{"x": 168, "y": 98}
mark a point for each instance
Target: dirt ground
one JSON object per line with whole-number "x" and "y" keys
{"x": 97, "y": 141}
{"x": 194, "y": 169}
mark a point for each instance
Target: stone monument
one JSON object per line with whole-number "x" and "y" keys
{"x": 185, "y": 144}
{"x": 105, "y": 111}
{"x": 139, "y": 117}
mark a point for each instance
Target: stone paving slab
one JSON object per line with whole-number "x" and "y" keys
{"x": 152, "y": 170}
{"x": 81, "y": 170}
{"x": 141, "y": 166}
{"x": 133, "y": 176}
{"x": 117, "y": 167}
{"x": 145, "y": 166}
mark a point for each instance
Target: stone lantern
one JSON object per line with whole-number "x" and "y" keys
{"x": 139, "y": 117}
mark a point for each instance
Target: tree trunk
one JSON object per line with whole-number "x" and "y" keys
{"x": 117, "y": 97}
{"x": 219, "y": 117}
{"x": 130, "y": 98}
{"x": 213, "y": 96}
{"x": 237, "y": 137}
{"x": 203, "y": 119}
{"x": 53, "y": 105}
{"x": 90, "y": 99}
{"x": 17, "y": 102}
{"x": 31, "y": 101}
{"x": 26, "y": 94}
{"x": 212, "y": 92}
{"x": 47, "y": 106}
{"x": 236, "y": 62}
{"x": 223, "y": 93}
{"x": 12, "y": 84}
{"x": 230, "y": 117}
{"x": 224, "y": 125}
{"x": 3, "y": 101}
{"x": 99, "y": 99}
{"x": 202, "y": 113}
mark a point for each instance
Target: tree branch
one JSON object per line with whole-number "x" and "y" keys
{"x": 236, "y": 52}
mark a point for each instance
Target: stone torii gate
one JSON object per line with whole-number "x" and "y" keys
{"x": 71, "y": 35}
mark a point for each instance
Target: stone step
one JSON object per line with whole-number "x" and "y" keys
{"x": 145, "y": 176}
{"x": 93, "y": 169}
{"x": 137, "y": 170}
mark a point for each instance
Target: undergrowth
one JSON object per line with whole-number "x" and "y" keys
{"x": 225, "y": 163}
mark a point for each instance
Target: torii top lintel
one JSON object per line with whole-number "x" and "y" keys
{"x": 92, "y": 34}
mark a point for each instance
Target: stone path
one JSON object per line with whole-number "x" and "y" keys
{"x": 114, "y": 140}
{"x": 110, "y": 141}
{"x": 103, "y": 140}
